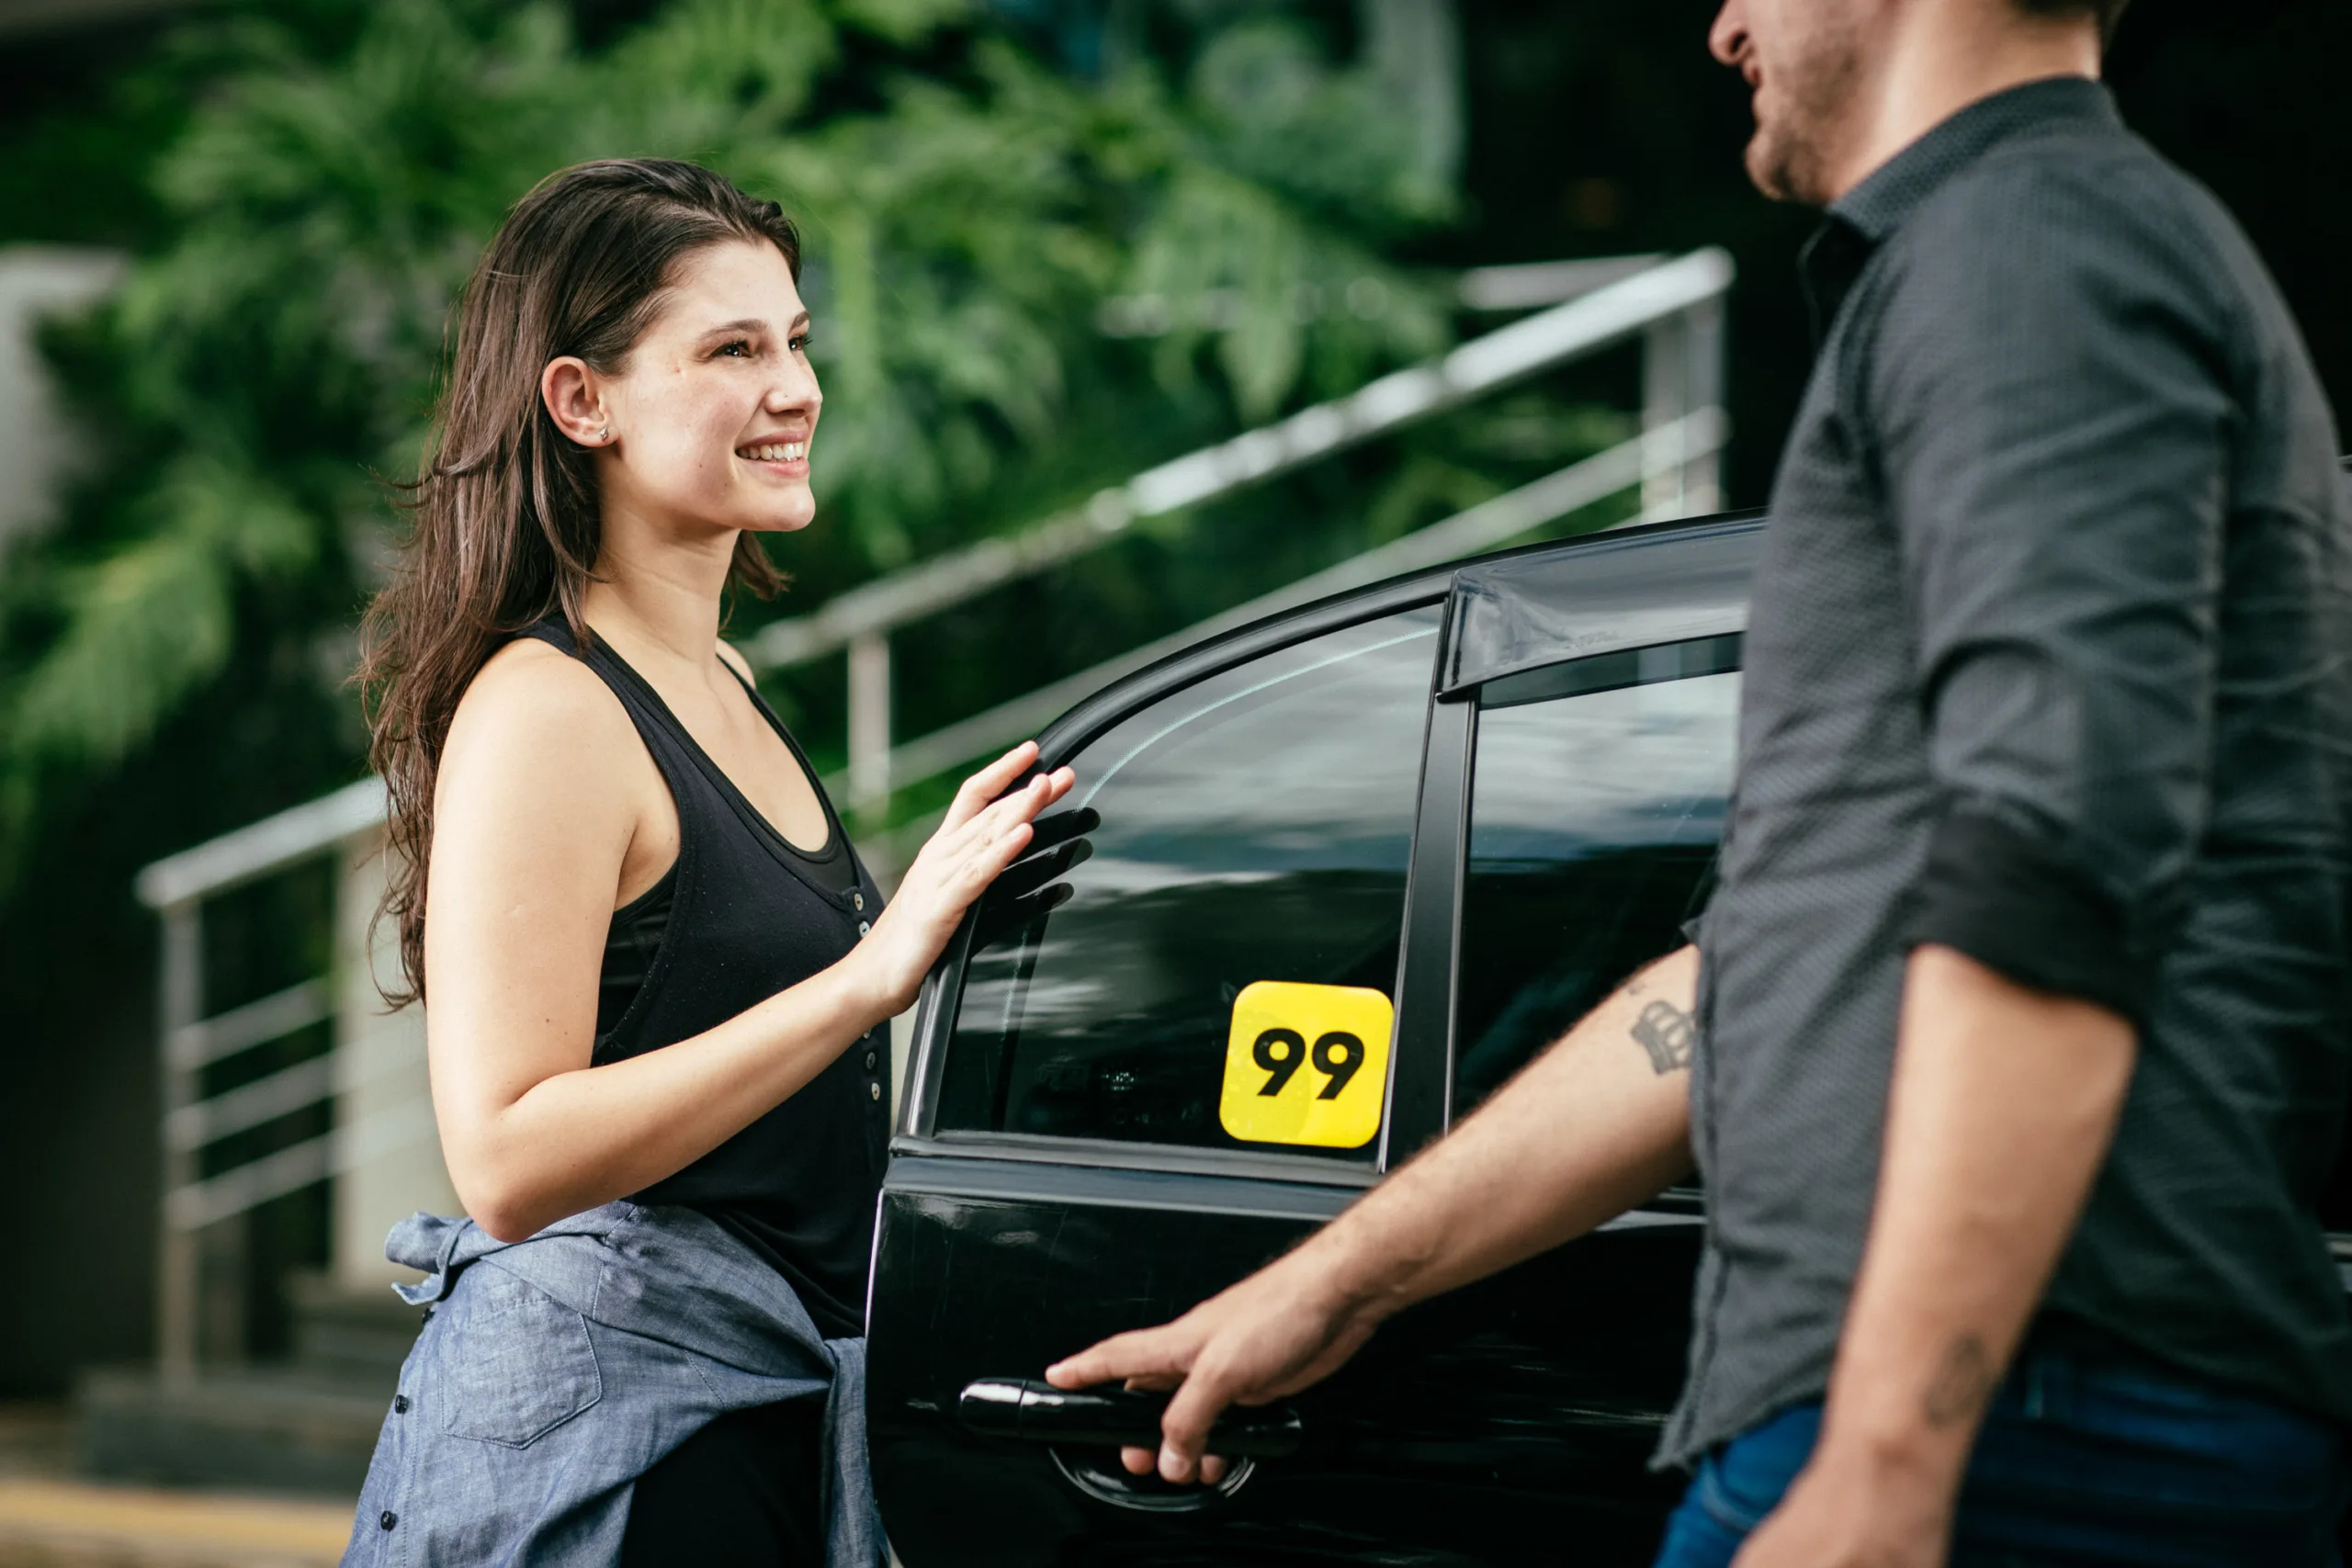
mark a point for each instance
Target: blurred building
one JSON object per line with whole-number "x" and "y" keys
{"x": 37, "y": 445}
{"x": 21, "y": 17}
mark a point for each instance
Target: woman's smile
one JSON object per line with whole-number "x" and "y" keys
{"x": 785, "y": 459}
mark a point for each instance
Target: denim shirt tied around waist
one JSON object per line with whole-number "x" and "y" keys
{"x": 551, "y": 1372}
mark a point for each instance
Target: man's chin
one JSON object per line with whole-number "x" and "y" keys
{"x": 1777, "y": 170}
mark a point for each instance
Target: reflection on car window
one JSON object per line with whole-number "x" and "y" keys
{"x": 1595, "y": 809}
{"x": 1252, "y": 827}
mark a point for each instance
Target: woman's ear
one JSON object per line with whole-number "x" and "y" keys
{"x": 574, "y": 401}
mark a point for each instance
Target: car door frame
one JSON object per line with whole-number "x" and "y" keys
{"x": 930, "y": 1164}
{"x": 917, "y": 1135}
{"x": 1419, "y": 1106}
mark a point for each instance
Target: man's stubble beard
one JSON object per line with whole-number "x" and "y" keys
{"x": 1812, "y": 103}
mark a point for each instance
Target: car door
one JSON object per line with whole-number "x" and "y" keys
{"x": 1308, "y": 897}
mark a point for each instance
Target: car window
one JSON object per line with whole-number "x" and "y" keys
{"x": 1252, "y": 837}
{"x": 1597, "y": 799}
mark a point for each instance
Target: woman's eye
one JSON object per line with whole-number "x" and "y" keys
{"x": 800, "y": 343}
{"x": 741, "y": 348}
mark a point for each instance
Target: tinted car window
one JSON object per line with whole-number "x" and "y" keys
{"x": 1595, "y": 803}
{"x": 1253, "y": 826}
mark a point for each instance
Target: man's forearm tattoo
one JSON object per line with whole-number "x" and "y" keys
{"x": 1665, "y": 1031}
{"x": 1962, "y": 1384}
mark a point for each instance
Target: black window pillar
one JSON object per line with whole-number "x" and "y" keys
{"x": 1421, "y": 1066}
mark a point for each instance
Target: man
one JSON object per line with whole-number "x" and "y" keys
{"x": 2021, "y": 1002}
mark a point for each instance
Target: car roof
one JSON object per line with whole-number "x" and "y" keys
{"x": 1513, "y": 610}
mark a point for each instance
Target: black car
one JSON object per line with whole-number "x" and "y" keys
{"x": 1159, "y": 1052}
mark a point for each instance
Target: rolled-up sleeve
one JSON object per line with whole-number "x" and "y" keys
{"x": 2052, "y": 417}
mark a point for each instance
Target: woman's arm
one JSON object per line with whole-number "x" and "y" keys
{"x": 543, "y": 791}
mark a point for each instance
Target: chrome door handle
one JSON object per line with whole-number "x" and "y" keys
{"x": 1114, "y": 1417}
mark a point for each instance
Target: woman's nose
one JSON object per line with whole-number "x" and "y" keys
{"x": 798, "y": 394}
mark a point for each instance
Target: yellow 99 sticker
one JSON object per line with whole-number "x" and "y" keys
{"x": 1306, "y": 1064}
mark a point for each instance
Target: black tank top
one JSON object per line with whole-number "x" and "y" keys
{"x": 740, "y": 915}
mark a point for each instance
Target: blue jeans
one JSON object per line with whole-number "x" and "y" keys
{"x": 2082, "y": 1460}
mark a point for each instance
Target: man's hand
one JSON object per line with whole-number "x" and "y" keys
{"x": 1596, "y": 1123}
{"x": 1841, "y": 1513}
{"x": 1278, "y": 1331}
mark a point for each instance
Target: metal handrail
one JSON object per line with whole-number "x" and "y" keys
{"x": 1482, "y": 527}
{"x": 177, "y": 887}
{"x": 260, "y": 848}
{"x": 1675, "y": 304}
{"x": 1617, "y": 311}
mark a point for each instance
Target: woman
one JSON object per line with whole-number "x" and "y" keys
{"x": 660, "y": 979}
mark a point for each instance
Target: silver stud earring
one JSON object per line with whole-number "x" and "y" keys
{"x": 605, "y": 433}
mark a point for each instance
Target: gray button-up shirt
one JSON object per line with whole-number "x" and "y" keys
{"x": 2050, "y": 661}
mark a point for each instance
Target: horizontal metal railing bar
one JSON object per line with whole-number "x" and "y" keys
{"x": 1525, "y": 286}
{"x": 1582, "y": 326}
{"x": 1481, "y": 528}
{"x": 1511, "y": 286}
{"x": 249, "y": 1105}
{"x": 291, "y": 1168}
{"x": 349, "y": 1067}
{"x": 271, "y": 844}
{"x": 216, "y": 1198}
{"x": 225, "y": 1034}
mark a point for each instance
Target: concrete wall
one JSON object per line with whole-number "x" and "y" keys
{"x": 29, "y": 17}
{"x": 391, "y": 1157}
{"x": 37, "y": 449}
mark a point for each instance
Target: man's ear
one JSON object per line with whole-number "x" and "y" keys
{"x": 568, "y": 387}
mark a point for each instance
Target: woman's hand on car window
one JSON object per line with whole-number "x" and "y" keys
{"x": 980, "y": 837}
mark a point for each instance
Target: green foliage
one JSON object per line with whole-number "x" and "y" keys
{"x": 161, "y": 604}
{"x": 968, "y": 211}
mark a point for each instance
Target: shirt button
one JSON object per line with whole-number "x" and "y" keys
{"x": 399, "y": 1405}
{"x": 873, "y": 1091}
{"x": 387, "y": 1519}
{"x": 857, "y": 900}
{"x": 869, "y": 1061}
{"x": 864, "y": 926}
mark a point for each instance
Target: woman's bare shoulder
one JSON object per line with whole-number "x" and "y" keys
{"x": 538, "y": 687}
{"x": 535, "y": 717}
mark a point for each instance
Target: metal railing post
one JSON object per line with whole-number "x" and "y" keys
{"x": 224, "y": 1259}
{"x": 1703, "y": 488}
{"x": 1666, "y": 398}
{"x": 869, "y": 726}
{"x": 181, "y": 1007}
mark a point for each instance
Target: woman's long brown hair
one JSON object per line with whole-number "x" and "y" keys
{"x": 507, "y": 521}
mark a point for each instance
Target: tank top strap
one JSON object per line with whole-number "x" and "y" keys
{"x": 838, "y": 870}
{"x": 710, "y": 804}
{"x": 665, "y": 738}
